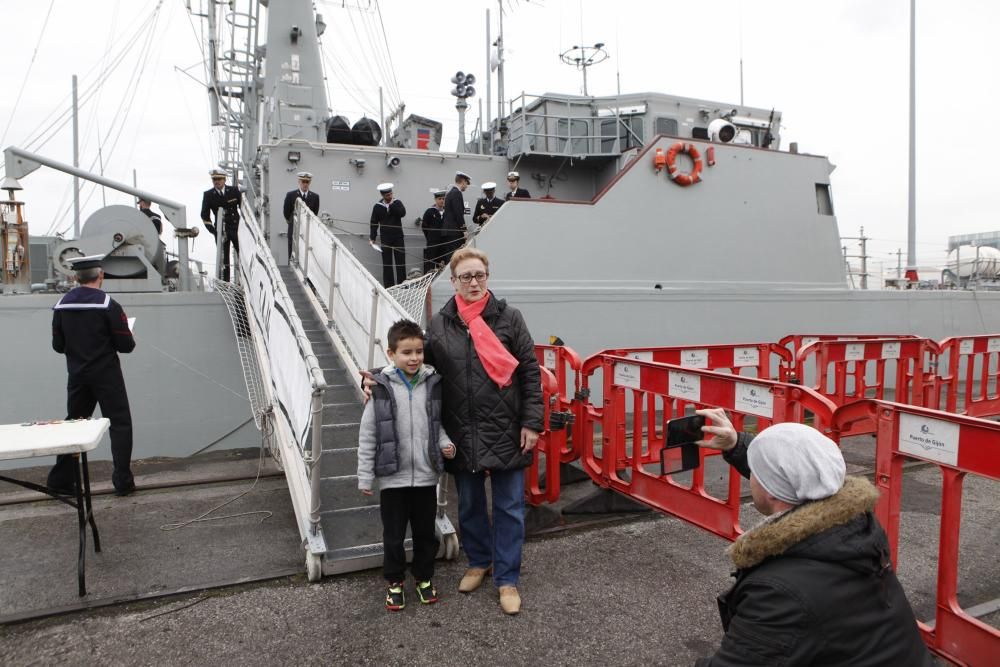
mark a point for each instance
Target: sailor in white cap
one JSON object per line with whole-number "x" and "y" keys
{"x": 90, "y": 328}
{"x": 487, "y": 205}
{"x": 516, "y": 191}
{"x": 311, "y": 200}
{"x": 387, "y": 222}
{"x": 228, "y": 198}
{"x": 453, "y": 219}
{"x": 818, "y": 567}
{"x": 430, "y": 223}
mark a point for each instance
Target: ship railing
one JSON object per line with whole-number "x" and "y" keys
{"x": 579, "y": 130}
{"x": 292, "y": 379}
{"x": 357, "y": 306}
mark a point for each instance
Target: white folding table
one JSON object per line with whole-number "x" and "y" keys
{"x": 75, "y": 438}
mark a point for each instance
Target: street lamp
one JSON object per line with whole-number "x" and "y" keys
{"x": 463, "y": 90}
{"x": 583, "y": 57}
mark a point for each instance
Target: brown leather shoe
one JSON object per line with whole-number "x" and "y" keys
{"x": 472, "y": 579}
{"x": 510, "y": 600}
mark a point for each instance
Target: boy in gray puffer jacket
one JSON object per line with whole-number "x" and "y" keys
{"x": 402, "y": 443}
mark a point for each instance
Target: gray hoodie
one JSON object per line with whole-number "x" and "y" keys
{"x": 415, "y": 468}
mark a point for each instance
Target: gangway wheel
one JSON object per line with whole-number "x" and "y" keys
{"x": 314, "y": 566}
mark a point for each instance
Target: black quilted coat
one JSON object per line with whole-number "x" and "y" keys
{"x": 483, "y": 420}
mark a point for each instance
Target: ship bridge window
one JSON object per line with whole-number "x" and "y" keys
{"x": 666, "y": 126}
{"x": 629, "y": 133}
{"x": 824, "y": 203}
{"x": 573, "y": 131}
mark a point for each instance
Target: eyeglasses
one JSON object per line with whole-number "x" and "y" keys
{"x": 466, "y": 278}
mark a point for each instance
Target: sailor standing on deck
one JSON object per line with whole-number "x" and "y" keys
{"x": 302, "y": 192}
{"x": 516, "y": 191}
{"x": 453, "y": 218}
{"x": 90, "y": 328}
{"x": 228, "y": 198}
{"x": 487, "y": 205}
{"x": 387, "y": 221}
{"x": 430, "y": 223}
{"x": 154, "y": 218}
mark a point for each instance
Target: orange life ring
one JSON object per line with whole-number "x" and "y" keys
{"x": 683, "y": 178}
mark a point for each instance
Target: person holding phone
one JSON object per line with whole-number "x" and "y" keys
{"x": 814, "y": 581}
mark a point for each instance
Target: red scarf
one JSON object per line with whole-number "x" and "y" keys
{"x": 499, "y": 363}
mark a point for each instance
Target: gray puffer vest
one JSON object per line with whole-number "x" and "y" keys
{"x": 386, "y": 436}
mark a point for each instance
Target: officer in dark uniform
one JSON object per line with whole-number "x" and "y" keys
{"x": 430, "y": 223}
{"x": 453, "y": 217}
{"x": 487, "y": 205}
{"x": 387, "y": 221}
{"x": 302, "y": 192}
{"x": 90, "y": 328}
{"x": 228, "y": 198}
{"x": 153, "y": 217}
{"x": 514, "y": 183}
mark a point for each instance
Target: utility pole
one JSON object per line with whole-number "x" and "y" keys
{"x": 863, "y": 244}
{"x": 899, "y": 263}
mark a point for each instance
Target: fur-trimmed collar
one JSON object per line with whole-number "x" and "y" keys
{"x": 773, "y": 538}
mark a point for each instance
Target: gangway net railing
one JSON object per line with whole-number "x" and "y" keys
{"x": 960, "y": 447}
{"x": 623, "y": 442}
{"x": 291, "y": 377}
{"x": 358, "y": 308}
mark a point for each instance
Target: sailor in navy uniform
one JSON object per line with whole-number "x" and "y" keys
{"x": 90, "y": 328}
{"x": 228, "y": 198}
{"x": 302, "y": 192}
{"x": 153, "y": 217}
{"x": 516, "y": 191}
{"x": 487, "y": 205}
{"x": 430, "y": 223}
{"x": 453, "y": 217}
{"x": 387, "y": 222}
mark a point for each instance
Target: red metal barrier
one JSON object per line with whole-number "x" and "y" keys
{"x": 546, "y": 451}
{"x": 843, "y": 369}
{"x": 795, "y": 342}
{"x": 959, "y": 446}
{"x": 639, "y": 397}
{"x": 969, "y": 373}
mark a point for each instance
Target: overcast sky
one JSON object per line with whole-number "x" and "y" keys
{"x": 837, "y": 70}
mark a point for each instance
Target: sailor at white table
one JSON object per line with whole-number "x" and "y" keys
{"x": 90, "y": 328}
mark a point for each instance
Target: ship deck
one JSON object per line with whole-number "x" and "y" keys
{"x": 628, "y": 588}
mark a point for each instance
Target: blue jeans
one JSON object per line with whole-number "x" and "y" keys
{"x": 501, "y": 545}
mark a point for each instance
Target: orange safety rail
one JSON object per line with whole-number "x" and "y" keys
{"x": 795, "y": 342}
{"x": 969, "y": 371}
{"x": 640, "y": 397}
{"x": 843, "y": 369}
{"x": 959, "y": 446}
{"x": 548, "y": 448}
{"x": 565, "y": 365}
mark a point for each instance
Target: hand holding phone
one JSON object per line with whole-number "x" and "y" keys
{"x": 681, "y": 450}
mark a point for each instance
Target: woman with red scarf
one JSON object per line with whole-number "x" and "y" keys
{"x": 492, "y": 410}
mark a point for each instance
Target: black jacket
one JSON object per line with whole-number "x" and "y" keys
{"x": 520, "y": 193}
{"x": 312, "y": 201}
{"x": 816, "y": 586}
{"x": 153, "y": 218}
{"x": 430, "y": 223}
{"x": 483, "y": 420}
{"x": 212, "y": 201}
{"x": 486, "y": 206}
{"x": 453, "y": 218}
{"x": 388, "y": 221}
{"x": 90, "y": 328}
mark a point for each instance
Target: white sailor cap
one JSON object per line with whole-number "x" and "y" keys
{"x": 88, "y": 262}
{"x": 304, "y": 176}
{"x": 439, "y": 192}
{"x": 489, "y": 185}
{"x": 462, "y": 174}
{"x": 385, "y": 187}
{"x": 217, "y": 173}
{"x": 513, "y": 176}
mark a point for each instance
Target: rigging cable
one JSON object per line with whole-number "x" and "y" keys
{"x": 24, "y": 82}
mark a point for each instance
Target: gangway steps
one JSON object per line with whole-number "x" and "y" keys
{"x": 350, "y": 521}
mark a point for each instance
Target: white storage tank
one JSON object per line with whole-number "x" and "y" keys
{"x": 967, "y": 260}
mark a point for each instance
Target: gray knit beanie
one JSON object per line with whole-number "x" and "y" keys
{"x": 796, "y": 463}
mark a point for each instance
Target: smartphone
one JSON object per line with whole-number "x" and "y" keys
{"x": 681, "y": 453}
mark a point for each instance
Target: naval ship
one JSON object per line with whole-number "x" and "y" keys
{"x": 655, "y": 219}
